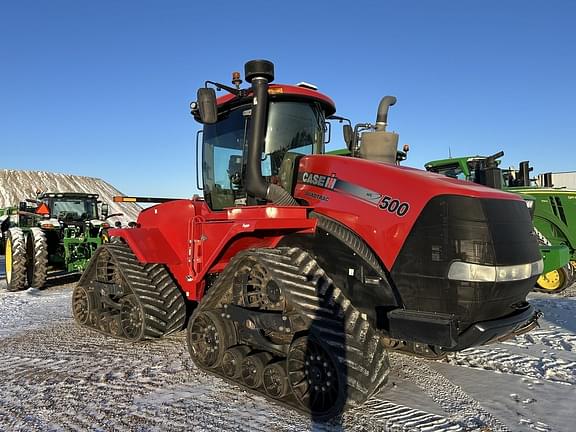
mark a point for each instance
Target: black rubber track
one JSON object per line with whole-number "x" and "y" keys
{"x": 37, "y": 249}
{"x": 17, "y": 280}
{"x": 331, "y": 318}
{"x": 161, "y": 300}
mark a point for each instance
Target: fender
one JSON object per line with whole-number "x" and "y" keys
{"x": 193, "y": 241}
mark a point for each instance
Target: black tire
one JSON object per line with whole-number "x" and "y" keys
{"x": 556, "y": 281}
{"x": 37, "y": 255}
{"x": 15, "y": 259}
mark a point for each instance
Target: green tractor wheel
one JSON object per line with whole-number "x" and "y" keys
{"x": 15, "y": 260}
{"x": 37, "y": 255}
{"x": 556, "y": 281}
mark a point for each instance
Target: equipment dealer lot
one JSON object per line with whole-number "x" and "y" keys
{"x": 57, "y": 376}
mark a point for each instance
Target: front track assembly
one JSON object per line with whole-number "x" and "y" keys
{"x": 121, "y": 297}
{"x": 275, "y": 324}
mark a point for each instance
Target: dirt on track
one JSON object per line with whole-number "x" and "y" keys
{"x": 56, "y": 376}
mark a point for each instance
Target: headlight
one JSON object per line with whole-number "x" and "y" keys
{"x": 469, "y": 272}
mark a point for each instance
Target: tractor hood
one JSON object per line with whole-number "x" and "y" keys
{"x": 382, "y": 202}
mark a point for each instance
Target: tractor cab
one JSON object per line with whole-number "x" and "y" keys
{"x": 71, "y": 214}
{"x": 293, "y": 125}
{"x": 484, "y": 170}
{"x": 68, "y": 208}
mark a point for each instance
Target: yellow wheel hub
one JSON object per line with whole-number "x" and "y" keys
{"x": 551, "y": 281}
{"x": 8, "y": 260}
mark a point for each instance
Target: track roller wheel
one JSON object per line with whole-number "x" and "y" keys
{"x": 15, "y": 260}
{"x": 275, "y": 380}
{"x": 315, "y": 378}
{"x": 232, "y": 361}
{"x": 37, "y": 257}
{"x": 208, "y": 338}
{"x": 253, "y": 368}
{"x": 82, "y": 305}
{"x": 131, "y": 318}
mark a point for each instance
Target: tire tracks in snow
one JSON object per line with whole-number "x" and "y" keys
{"x": 464, "y": 409}
{"x": 500, "y": 360}
{"x": 62, "y": 377}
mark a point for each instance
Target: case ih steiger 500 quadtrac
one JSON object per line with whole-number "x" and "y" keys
{"x": 304, "y": 269}
{"x": 553, "y": 210}
{"x": 60, "y": 231}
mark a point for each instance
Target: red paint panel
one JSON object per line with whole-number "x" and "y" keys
{"x": 286, "y": 90}
{"x": 193, "y": 241}
{"x": 149, "y": 245}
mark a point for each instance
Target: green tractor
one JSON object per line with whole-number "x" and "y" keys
{"x": 57, "y": 231}
{"x": 553, "y": 209}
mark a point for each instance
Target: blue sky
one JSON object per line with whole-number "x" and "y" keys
{"x": 103, "y": 88}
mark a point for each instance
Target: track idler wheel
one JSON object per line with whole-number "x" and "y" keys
{"x": 254, "y": 284}
{"x": 315, "y": 378}
{"x": 131, "y": 318}
{"x": 275, "y": 380}
{"x": 82, "y": 305}
{"x": 208, "y": 338}
{"x": 253, "y": 368}
{"x": 232, "y": 361}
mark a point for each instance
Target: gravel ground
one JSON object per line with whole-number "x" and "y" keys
{"x": 55, "y": 376}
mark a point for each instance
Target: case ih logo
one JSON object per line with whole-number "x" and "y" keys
{"x": 326, "y": 182}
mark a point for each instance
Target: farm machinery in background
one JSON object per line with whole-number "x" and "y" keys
{"x": 298, "y": 271}
{"x": 54, "y": 231}
{"x": 553, "y": 210}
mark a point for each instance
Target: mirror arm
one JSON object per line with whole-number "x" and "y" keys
{"x": 219, "y": 86}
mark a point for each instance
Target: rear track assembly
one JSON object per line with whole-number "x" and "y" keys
{"x": 121, "y": 297}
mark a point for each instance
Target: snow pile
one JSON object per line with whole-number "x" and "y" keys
{"x": 16, "y": 186}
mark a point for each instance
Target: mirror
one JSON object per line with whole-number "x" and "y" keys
{"x": 104, "y": 211}
{"x": 22, "y": 206}
{"x": 327, "y": 132}
{"x": 348, "y": 134}
{"x": 207, "y": 105}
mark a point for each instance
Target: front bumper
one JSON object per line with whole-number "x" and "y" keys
{"x": 443, "y": 331}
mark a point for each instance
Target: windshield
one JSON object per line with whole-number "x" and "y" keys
{"x": 295, "y": 127}
{"x": 74, "y": 209}
{"x": 454, "y": 171}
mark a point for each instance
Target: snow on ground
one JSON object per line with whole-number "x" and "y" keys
{"x": 55, "y": 376}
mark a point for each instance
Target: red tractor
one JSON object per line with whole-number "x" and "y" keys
{"x": 298, "y": 271}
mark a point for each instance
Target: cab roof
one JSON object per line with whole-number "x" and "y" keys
{"x": 279, "y": 92}
{"x": 67, "y": 195}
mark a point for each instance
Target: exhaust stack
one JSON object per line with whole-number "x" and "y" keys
{"x": 260, "y": 73}
{"x": 380, "y": 145}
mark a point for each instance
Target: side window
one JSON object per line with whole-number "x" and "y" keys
{"x": 223, "y": 145}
